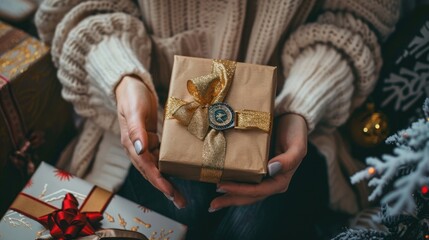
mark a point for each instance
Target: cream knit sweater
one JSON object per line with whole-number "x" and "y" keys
{"x": 329, "y": 65}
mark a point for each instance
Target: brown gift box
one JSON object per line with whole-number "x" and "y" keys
{"x": 252, "y": 88}
{"x": 30, "y": 105}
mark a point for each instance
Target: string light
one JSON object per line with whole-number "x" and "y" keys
{"x": 424, "y": 189}
{"x": 371, "y": 171}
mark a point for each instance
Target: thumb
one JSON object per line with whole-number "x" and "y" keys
{"x": 280, "y": 163}
{"x": 138, "y": 134}
{"x": 134, "y": 105}
{"x": 274, "y": 167}
{"x": 286, "y": 162}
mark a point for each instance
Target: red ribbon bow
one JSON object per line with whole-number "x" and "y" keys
{"x": 68, "y": 222}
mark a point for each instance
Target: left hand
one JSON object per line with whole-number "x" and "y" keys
{"x": 291, "y": 148}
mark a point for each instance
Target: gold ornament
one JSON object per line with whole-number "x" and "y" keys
{"x": 368, "y": 127}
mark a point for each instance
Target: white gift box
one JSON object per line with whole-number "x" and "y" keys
{"x": 50, "y": 185}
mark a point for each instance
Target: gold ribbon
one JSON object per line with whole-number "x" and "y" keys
{"x": 207, "y": 90}
{"x": 96, "y": 201}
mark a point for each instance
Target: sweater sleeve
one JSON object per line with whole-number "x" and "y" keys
{"x": 94, "y": 45}
{"x": 331, "y": 65}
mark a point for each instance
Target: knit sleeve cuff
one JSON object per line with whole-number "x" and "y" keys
{"x": 97, "y": 53}
{"x": 112, "y": 59}
{"x": 318, "y": 77}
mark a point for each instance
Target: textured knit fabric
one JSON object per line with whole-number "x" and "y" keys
{"x": 110, "y": 166}
{"x": 329, "y": 65}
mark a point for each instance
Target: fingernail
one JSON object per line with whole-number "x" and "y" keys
{"x": 211, "y": 210}
{"x": 171, "y": 198}
{"x": 138, "y": 146}
{"x": 274, "y": 168}
{"x": 177, "y": 205}
{"x": 220, "y": 190}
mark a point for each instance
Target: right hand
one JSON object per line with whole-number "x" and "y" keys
{"x": 137, "y": 114}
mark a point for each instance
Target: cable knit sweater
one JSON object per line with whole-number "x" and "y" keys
{"x": 329, "y": 65}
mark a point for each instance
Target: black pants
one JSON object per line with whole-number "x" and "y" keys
{"x": 291, "y": 215}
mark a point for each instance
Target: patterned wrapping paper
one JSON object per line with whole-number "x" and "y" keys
{"x": 18, "y": 51}
{"x": 50, "y": 185}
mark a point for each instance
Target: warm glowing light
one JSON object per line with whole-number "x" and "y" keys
{"x": 377, "y": 126}
{"x": 371, "y": 170}
{"x": 365, "y": 129}
{"x": 427, "y": 236}
{"x": 424, "y": 189}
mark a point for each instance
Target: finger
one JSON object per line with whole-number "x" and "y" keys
{"x": 155, "y": 153}
{"x": 135, "y": 104}
{"x": 146, "y": 164}
{"x": 285, "y": 162}
{"x": 153, "y": 140}
{"x": 264, "y": 189}
{"x": 179, "y": 199}
{"x": 137, "y": 133}
{"x": 125, "y": 139}
{"x": 292, "y": 131}
{"x": 229, "y": 200}
{"x": 162, "y": 184}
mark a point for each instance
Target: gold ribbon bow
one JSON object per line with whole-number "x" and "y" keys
{"x": 206, "y": 91}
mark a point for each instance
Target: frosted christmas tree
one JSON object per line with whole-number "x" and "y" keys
{"x": 401, "y": 182}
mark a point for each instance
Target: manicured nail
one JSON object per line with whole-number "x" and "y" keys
{"x": 274, "y": 168}
{"x": 220, "y": 190}
{"x": 177, "y": 205}
{"x": 138, "y": 146}
{"x": 211, "y": 210}
{"x": 171, "y": 198}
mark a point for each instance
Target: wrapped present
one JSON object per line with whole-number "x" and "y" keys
{"x": 35, "y": 122}
{"x": 218, "y": 120}
{"x": 56, "y": 203}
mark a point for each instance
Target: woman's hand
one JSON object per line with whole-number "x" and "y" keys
{"x": 291, "y": 148}
{"x": 137, "y": 114}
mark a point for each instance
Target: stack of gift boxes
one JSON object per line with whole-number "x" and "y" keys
{"x": 35, "y": 122}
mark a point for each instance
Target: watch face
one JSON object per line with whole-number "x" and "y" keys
{"x": 221, "y": 116}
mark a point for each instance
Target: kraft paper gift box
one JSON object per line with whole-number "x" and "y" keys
{"x": 205, "y": 140}
{"x": 35, "y": 122}
{"x": 49, "y": 186}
